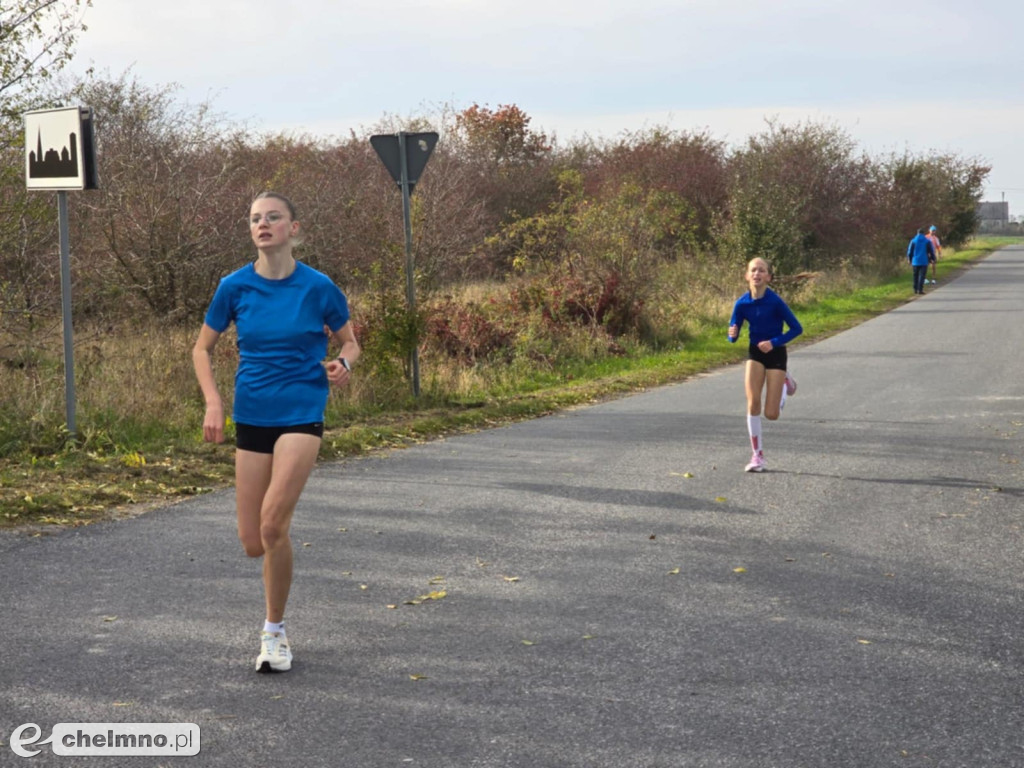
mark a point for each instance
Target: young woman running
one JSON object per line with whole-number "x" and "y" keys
{"x": 282, "y": 310}
{"x": 765, "y": 312}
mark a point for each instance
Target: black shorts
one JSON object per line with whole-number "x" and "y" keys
{"x": 262, "y": 439}
{"x": 775, "y": 360}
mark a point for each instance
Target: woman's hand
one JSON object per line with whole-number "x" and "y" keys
{"x": 213, "y": 423}
{"x": 734, "y": 331}
{"x": 337, "y": 374}
{"x": 765, "y": 346}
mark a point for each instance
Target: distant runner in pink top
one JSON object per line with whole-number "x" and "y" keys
{"x": 938, "y": 248}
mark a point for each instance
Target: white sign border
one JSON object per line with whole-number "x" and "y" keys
{"x": 47, "y": 123}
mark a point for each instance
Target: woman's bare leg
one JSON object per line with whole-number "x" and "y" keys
{"x": 293, "y": 460}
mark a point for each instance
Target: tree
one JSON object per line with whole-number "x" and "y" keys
{"x": 798, "y": 198}
{"x": 690, "y": 165}
{"x": 37, "y": 38}
{"x": 501, "y": 137}
{"x": 940, "y": 189}
{"x": 511, "y": 161}
{"x": 36, "y": 41}
{"x": 594, "y": 259}
{"x": 169, "y": 216}
{"x": 508, "y": 165}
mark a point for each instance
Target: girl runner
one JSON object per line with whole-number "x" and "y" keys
{"x": 285, "y": 313}
{"x": 765, "y": 312}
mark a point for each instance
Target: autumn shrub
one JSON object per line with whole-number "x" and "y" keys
{"x": 389, "y": 332}
{"x": 691, "y": 166}
{"x": 592, "y": 259}
{"x": 467, "y": 332}
{"x": 575, "y": 301}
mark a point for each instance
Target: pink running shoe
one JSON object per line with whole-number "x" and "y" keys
{"x": 790, "y": 385}
{"x": 756, "y": 463}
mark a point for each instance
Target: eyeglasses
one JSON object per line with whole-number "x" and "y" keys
{"x": 271, "y": 217}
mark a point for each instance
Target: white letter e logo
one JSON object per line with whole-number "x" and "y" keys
{"x": 17, "y": 742}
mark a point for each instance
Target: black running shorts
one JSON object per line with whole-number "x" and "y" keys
{"x": 262, "y": 439}
{"x": 775, "y": 360}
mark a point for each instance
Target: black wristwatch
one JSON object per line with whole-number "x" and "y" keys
{"x": 344, "y": 364}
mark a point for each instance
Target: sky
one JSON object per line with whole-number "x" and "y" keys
{"x": 896, "y": 75}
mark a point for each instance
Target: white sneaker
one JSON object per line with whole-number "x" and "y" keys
{"x": 275, "y": 655}
{"x": 756, "y": 463}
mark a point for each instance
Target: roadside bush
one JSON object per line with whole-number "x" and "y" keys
{"x": 799, "y": 197}
{"x": 594, "y": 258}
{"x": 691, "y": 166}
{"x": 467, "y": 332}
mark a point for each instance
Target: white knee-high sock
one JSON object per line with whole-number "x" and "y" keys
{"x": 754, "y": 428}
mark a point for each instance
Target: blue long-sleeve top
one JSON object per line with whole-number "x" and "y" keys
{"x": 920, "y": 251}
{"x": 765, "y": 317}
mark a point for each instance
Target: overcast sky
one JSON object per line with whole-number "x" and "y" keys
{"x": 922, "y": 75}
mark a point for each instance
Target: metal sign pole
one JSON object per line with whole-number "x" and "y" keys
{"x": 60, "y": 154}
{"x": 65, "y": 290}
{"x": 410, "y": 278}
{"x": 393, "y": 150}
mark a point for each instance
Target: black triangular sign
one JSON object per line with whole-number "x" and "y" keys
{"x": 418, "y": 148}
{"x": 386, "y": 145}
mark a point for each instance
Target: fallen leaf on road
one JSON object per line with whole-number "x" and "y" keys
{"x": 674, "y": 572}
{"x": 436, "y": 595}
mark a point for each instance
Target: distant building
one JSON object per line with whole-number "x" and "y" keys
{"x": 993, "y": 216}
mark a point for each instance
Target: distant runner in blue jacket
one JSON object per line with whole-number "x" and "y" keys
{"x": 920, "y": 253}
{"x": 765, "y": 313}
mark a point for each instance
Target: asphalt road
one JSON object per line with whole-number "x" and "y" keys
{"x": 618, "y": 591}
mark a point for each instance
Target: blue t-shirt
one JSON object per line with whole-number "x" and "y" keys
{"x": 765, "y": 317}
{"x": 281, "y": 342}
